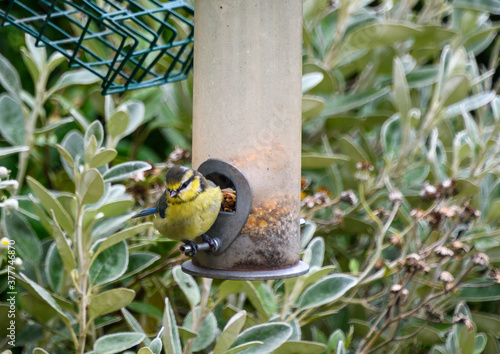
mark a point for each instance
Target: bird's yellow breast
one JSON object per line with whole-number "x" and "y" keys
{"x": 187, "y": 220}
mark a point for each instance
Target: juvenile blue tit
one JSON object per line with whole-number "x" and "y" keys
{"x": 188, "y": 207}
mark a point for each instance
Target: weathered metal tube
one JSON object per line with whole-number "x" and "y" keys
{"x": 247, "y": 111}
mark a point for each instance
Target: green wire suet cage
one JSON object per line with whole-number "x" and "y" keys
{"x": 129, "y": 44}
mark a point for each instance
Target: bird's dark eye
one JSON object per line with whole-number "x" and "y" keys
{"x": 184, "y": 185}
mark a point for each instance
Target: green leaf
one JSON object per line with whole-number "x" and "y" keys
{"x": 30, "y": 64}
{"x": 120, "y": 236}
{"x": 63, "y": 247}
{"x": 117, "y": 342}
{"x": 136, "y": 111}
{"x": 9, "y": 78}
{"x": 73, "y": 144}
{"x": 300, "y": 347}
{"x": 39, "y": 54}
{"x": 311, "y": 80}
{"x": 487, "y": 322}
{"x": 54, "y": 268}
{"x": 317, "y": 161}
{"x": 54, "y": 61}
{"x": 36, "y": 307}
{"x": 134, "y": 324}
{"x": 170, "y": 336}
{"x": 375, "y": 35}
{"x": 51, "y": 127}
{"x": 188, "y": 285}
{"x": 125, "y": 170}
{"x": 139, "y": 261}
{"x": 156, "y": 345}
{"x": 306, "y": 233}
{"x": 103, "y": 157}
{"x": 45, "y": 295}
{"x": 401, "y": 94}
{"x": 312, "y": 106}
{"x": 95, "y": 129}
{"x": 12, "y": 121}
{"x": 49, "y": 202}
{"x": 242, "y": 347}
{"x": 110, "y": 301}
{"x": 230, "y": 332}
{"x": 268, "y": 299}
{"x": 272, "y": 336}
{"x": 145, "y": 350}
{"x": 326, "y": 290}
{"x": 186, "y": 333}
{"x": 90, "y": 187}
{"x": 480, "y": 343}
{"x": 6, "y": 151}
{"x": 15, "y": 227}
{"x": 344, "y": 103}
{"x": 109, "y": 265}
{"x": 316, "y": 252}
{"x": 39, "y": 351}
{"x": 480, "y": 294}
{"x": 66, "y": 156}
{"x": 464, "y": 338}
{"x": 334, "y": 339}
{"x": 468, "y": 104}
{"x": 492, "y": 6}
{"x": 75, "y": 77}
{"x": 117, "y": 123}
{"x": 206, "y": 333}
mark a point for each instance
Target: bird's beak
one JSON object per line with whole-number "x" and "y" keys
{"x": 173, "y": 193}
{"x": 146, "y": 212}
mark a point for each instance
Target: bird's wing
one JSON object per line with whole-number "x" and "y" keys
{"x": 162, "y": 205}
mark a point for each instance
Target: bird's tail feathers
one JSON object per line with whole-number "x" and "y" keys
{"x": 146, "y": 212}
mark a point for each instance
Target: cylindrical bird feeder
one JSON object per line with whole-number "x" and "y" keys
{"x": 247, "y": 112}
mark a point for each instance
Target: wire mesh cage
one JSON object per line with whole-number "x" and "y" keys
{"x": 129, "y": 44}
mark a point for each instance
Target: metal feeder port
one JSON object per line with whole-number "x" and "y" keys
{"x": 247, "y": 113}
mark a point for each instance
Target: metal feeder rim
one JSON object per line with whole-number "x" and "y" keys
{"x": 300, "y": 268}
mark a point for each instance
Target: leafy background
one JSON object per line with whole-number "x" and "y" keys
{"x": 401, "y": 152}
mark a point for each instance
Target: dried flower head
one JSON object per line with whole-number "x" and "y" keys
{"x": 480, "y": 260}
{"x": 4, "y": 172}
{"x": 428, "y": 192}
{"x": 448, "y": 188}
{"x": 379, "y": 263}
{"x": 413, "y": 263}
{"x": 179, "y": 155}
{"x": 449, "y": 212}
{"x": 461, "y": 318}
{"x": 364, "y": 166}
{"x": 417, "y": 213}
{"x": 446, "y": 277}
{"x": 460, "y": 247}
{"x": 303, "y": 183}
{"x": 435, "y": 218}
{"x": 443, "y": 251}
{"x": 349, "y": 197}
{"x": 495, "y": 275}
{"x": 468, "y": 212}
{"x": 433, "y": 313}
{"x": 318, "y": 198}
{"x": 381, "y": 212}
{"x": 396, "y": 196}
{"x": 395, "y": 240}
{"x": 396, "y": 288}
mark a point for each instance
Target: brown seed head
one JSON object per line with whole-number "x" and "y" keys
{"x": 448, "y": 188}
{"x": 480, "y": 260}
{"x": 443, "y": 251}
{"x": 417, "y": 213}
{"x": 395, "y": 240}
{"x": 495, "y": 275}
{"x": 396, "y": 288}
{"x": 446, "y": 277}
{"x": 349, "y": 197}
{"x": 468, "y": 212}
{"x": 179, "y": 155}
{"x": 461, "y": 318}
{"x": 428, "y": 192}
{"x": 460, "y": 247}
{"x": 396, "y": 196}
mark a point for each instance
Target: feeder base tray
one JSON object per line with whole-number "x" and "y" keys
{"x": 300, "y": 269}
